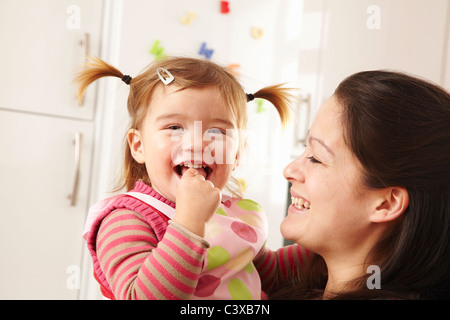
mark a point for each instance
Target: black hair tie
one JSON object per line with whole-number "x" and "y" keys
{"x": 250, "y": 97}
{"x": 127, "y": 79}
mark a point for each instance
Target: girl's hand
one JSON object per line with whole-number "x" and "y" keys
{"x": 197, "y": 201}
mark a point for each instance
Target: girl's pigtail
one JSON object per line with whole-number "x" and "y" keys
{"x": 281, "y": 98}
{"x": 94, "y": 68}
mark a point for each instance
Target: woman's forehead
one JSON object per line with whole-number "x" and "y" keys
{"x": 327, "y": 125}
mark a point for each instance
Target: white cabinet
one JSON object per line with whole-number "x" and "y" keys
{"x": 358, "y": 35}
{"x": 40, "y": 230}
{"x": 46, "y": 143}
{"x": 342, "y": 37}
{"x": 43, "y": 42}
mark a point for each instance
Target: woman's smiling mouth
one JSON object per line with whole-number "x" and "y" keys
{"x": 300, "y": 203}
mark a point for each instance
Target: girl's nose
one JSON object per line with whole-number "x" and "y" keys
{"x": 193, "y": 142}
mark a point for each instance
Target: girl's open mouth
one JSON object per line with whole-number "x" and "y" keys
{"x": 202, "y": 169}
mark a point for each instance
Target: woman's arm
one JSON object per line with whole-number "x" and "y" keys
{"x": 138, "y": 267}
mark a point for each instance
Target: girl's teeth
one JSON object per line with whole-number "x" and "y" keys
{"x": 195, "y": 166}
{"x": 300, "y": 203}
{"x": 203, "y": 170}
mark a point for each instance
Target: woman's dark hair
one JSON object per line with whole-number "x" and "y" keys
{"x": 398, "y": 127}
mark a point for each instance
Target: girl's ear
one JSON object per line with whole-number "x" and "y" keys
{"x": 393, "y": 201}
{"x": 236, "y": 161}
{"x": 136, "y": 146}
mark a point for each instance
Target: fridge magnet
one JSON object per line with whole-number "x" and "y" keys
{"x": 207, "y": 53}
{"x": 224, "y": 7}
{"x": 233, "y": 68}
{"x": 257, "y": 32}
{"x": 157, "y": 50}
{"x": 260, "y": 104}
{"x": 188, "y": 19}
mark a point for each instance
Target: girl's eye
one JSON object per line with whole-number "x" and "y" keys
{"x": 313, "y": 160}
{"x": 174, "y": 127}
{"x": 215, "y": 131}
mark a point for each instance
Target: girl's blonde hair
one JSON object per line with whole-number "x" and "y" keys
{"x": 188, "y": 73}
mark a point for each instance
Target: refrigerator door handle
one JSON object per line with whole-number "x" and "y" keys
{"x": 78, "y": 145}
{"x": 304, "y": 100}
{"x": 85, "y": 43}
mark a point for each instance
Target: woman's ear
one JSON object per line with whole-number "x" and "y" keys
{"x": 391, "y": 204}
{"x": 136, "y": 146}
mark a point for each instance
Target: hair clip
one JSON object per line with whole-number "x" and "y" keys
{"x": 169, "y": 77}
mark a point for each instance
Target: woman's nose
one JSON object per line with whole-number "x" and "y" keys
{"x": 294, "y": 170}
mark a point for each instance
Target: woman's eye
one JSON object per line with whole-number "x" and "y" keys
{"x": 313, "y": 160}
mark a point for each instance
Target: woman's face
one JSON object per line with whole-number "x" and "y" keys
{"x": 328, "y": 210}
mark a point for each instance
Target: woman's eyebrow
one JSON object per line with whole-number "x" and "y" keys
{"x": 323, "y": 144}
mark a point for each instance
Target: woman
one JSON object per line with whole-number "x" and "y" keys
{"x": 372, "y": 192}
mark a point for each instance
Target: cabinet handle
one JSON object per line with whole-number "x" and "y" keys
{"x": 303, "y": 100}
{"x": 78, "y": 143}
{"x": 85, "y": 43}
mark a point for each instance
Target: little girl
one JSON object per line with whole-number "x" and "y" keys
{"x": 188, "y": 118}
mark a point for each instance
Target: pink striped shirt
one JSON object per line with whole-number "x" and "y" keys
{"x": 139, "y": 263}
